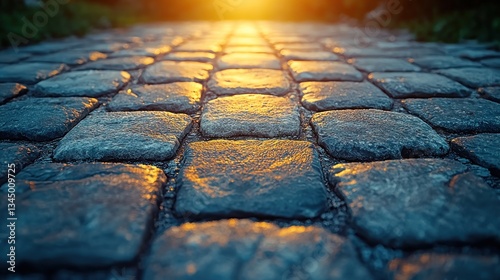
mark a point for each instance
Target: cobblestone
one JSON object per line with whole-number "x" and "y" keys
{"x": 482, "y": 149}
{"x": 175, "y": 71}
{"x": 303, "y": 71}
{"x": 383, "y": 65}
{"x": 277, "y": 178}
{"x": 237, "y": 81}
{"x": 457, "y": 115}
{"x": 375, "y": 135}
{"x": 190, "y": 56}
{"x": 417, "y": 202}
{"x": 492, "y": 93}
{"x": 119, "y": 63}
{"x": 30, "y": 72}
{"x": 20, "y": 155}
{"x": 250, "y": 115}
{"x": 473, "y": 77}
{"x": 442, "y": 62}
{"x": 252, "y": 250}
{"x": 248, "y": 60}
{"x": 103, "y": 218}
{"x": 10, "y": 90}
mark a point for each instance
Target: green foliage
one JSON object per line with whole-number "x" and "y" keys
{"x": 75, "y": 18}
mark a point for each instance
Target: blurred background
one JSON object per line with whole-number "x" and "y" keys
{"x": 430, "y": 20}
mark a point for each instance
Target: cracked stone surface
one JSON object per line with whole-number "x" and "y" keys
{"x": 457, "y": 115}
{"x": 303, "y": 71}
{"x": 383, "y": 65}
{"x": 482, "y": 149}
{"x": 20, "y": 155}
{"x": 42, "y": 119}
{"x": 92, "y": 83}
{"x": 273, "y": 178}
{"x": 236, "y": 81}
{"x": 175, "y": 71}
{"x": 10, "y": 90}
{"x": 104, "y": 218}
{"x": 252, "y": 250}
{"x": 406, "y": 85}
{"x": 30, "y": 72}
{"x": 119, "y": 63}
{"x": 446, "y": 266}
{"x": 250, "y": 115}
{"x": 323, "y": 96}
{"x": 417, "y": 202}
{"x": 473, "y": 77}
{"x": 375, "y": 135}
{"x": 248, "y": 61}
{"x": 181, "y": 97}
{"x": 124, "y": 136}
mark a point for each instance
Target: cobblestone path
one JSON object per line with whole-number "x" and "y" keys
{"x": 251, "y": 151}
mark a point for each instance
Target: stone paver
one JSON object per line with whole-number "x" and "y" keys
{"x": 356, "y": 52}
{"x": 10, "y": 56}
{"x": 181, "y": 97}
{"x": 199, "y": 46}
{"x": 119, "y": 63}
{"x": 242, "y": 249}
{"x": 406, "y": 85}
{"x": 125, "y": 136}
{"x": 491, "y": 93}
{"x": 69, "y": 58}
{"x": 322, "y": 96}
{"x": 248, "y": 49}
{"x": 457, "y": 115}
{"x": 376, "y": 135}
{"x": 482, "y": 149}
{"x": 446, "y": 266}
{"x": 417, "y": 202}
{"x": 383, "y": 65}
{"x": 175, "y": 71}
{"x": 248, "y": 61}
{"x": 303, "y": 71}
{"x": 11, "y": 90}
{"x": 473, "y": 77}
{"x": 236, "y": 81}
{"x": 42, "y": 119}
{"x": 19, "y": 155}
{"x": 443, "y": 62}
{"x": 72, "y": 215}
{"x": 150, "y": 50}
{"x": 190, "y": 56}
{"x": 250, "y": 115}
{"x": 478, "y": 54}
{"x": 491, "y": 62}
{"x": 30, "y": 72}
{"x": 274, "y": 178}
{"x": 308, "y": 55}
{"x": 93, "y": 83}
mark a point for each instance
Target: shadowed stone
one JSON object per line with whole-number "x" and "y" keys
{"x": 236, "y": 81}
{"x": 245, "y": 178}
{"x": 383, "y": 65}
{"x": 30, "y": 72}
{"x": 354, "y": 52}
{"x": 446, "y": 266}
{"x": 491, "y": 93}
{"x": 246, "y": 250}
{"x": 20, "y": 155}
{"x": 475, "y": 54}
{"x": 42, "y": 119}
{"x": 69, "y": 58}
{"x": 248, "y": 61}
{"x": 175, "y": 71}
{"x": 190, "y": 56}
{"x": 250, "y": 115}
{"x": 457, "y": 115}
{"x": 491, "y": 62}
{"x": 182, "y": 97}
{"x": 10, "y": 56}
{"x": 443, "y": 62}
{"x": 50, "y": 47}
{"x": 482, "y": 149}
{"x": 84, "y": 216}
{"x": 376, "y": 135}
{"x": 308, "y": 55}
{"x": 107, "y": 136}
{"x": 91, "y": 83}
{"x": 119, "y": 63}
{"x": 405, "y": 85}
{"x": 303, "y": 71}
{"x": 322, "y": 96}
{"x": 417, "y": 202}
{"x": 473, "y": 77}
{"x": 10, "y": 90}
